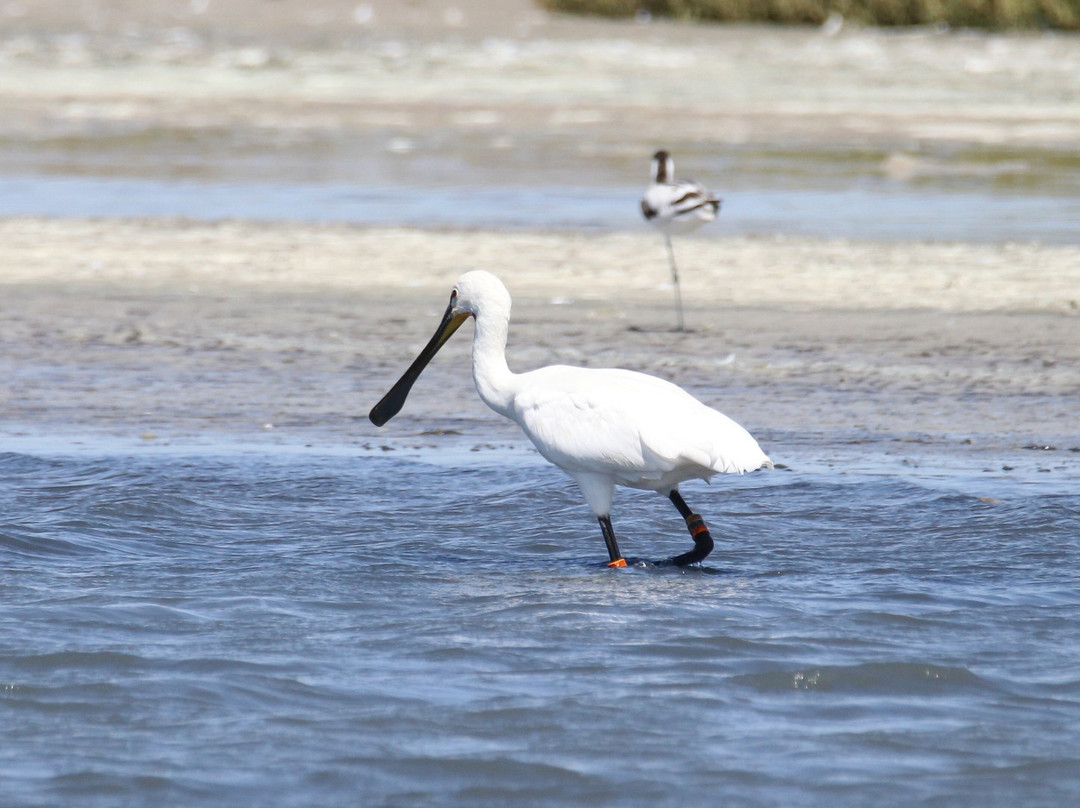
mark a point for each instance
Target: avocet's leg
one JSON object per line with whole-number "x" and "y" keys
{"x": 609, "y": 539}
{"x": 703, "y": 543}
{"x": 675, "y": 281}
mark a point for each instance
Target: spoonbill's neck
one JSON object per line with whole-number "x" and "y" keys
{"x": 494, "y": 381}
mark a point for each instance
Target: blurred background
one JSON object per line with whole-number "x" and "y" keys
{"x": 503, "y": 113}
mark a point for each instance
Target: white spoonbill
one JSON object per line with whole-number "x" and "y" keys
{"x": 675, "y": 208}
{"x": 602, "y": 427}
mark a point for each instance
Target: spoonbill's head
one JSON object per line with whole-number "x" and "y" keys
{"x": 478, "y": 290}
{"x": 473, "y": 291}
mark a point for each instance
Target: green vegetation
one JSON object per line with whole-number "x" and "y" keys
{"x": 991, "y": 14}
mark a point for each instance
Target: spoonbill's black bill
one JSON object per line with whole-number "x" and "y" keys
{"x": 391, "y": 404}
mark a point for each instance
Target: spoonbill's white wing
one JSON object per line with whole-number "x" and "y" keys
{"x": 643, "y": 431}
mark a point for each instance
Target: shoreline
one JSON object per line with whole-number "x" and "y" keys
{"x": 169, "y": 328}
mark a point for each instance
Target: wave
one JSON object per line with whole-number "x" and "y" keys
{"x": 877, "y": 678}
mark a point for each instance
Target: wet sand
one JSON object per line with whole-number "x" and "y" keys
{"x": 160, "y": 331}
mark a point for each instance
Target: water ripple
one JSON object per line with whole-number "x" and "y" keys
{"x": 880, "y": 678}
{"x": 333, "y": 630}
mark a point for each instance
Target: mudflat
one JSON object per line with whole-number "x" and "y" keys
{"x": 171, "y": 331}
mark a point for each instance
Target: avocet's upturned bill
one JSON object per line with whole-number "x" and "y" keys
{"x": 602, "y": 427}
{"x": 675, "y": 208}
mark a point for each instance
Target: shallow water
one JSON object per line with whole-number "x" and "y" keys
{"x": 297, "y": 628}
{"x": 865, "y": 211}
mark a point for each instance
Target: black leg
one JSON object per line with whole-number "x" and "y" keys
{"x": 609, "y": 539}
{"x": 703, "y": 543}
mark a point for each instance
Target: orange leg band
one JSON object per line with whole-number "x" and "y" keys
{"x": 696, "y": 525}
